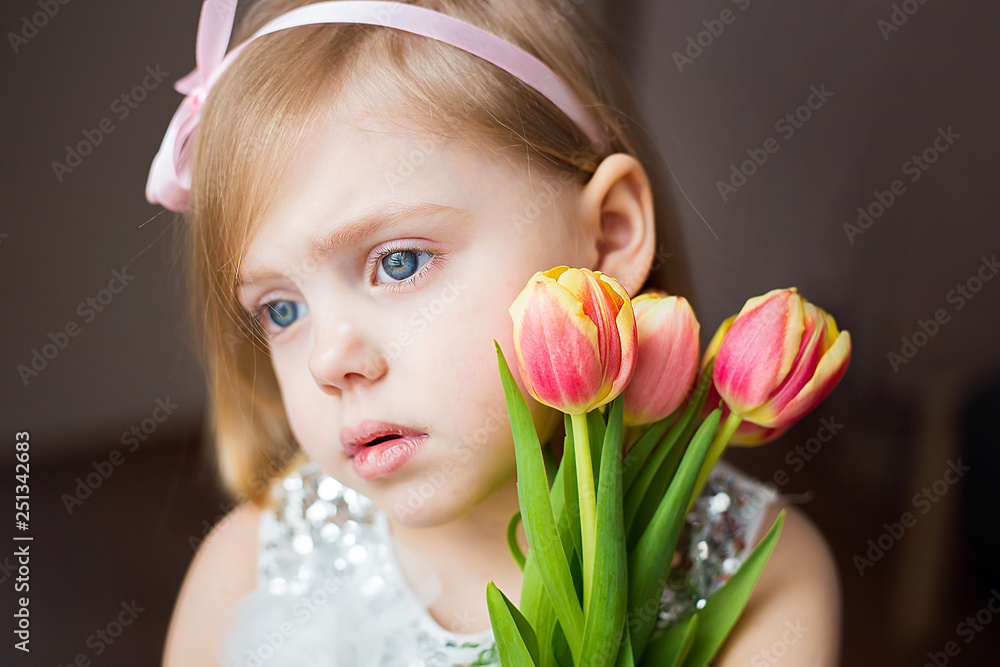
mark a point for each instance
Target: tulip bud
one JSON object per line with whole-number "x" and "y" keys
{"x": 575, "y": 338}
{"x": 778, "y": 358}
{"x": 668, "y": 357}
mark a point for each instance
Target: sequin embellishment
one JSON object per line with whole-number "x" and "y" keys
{"x": 324, "y": 541}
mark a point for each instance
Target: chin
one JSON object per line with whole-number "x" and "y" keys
{"x": 421, "y": 504}
{"x": 415, "y": 511}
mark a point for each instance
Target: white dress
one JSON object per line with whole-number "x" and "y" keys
{"x": 330, "y": 591}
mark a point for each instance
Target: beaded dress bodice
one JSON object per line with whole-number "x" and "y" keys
{"x": 331, "y": 593}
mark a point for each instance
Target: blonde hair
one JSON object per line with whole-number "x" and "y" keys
{"x": 264, "y": 105}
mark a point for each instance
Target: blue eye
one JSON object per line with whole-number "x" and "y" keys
{"x": 281, "y": 313}
{"x": 399, "y": 265}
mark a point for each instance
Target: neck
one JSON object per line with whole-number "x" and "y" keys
{"x": 465, "y": 554}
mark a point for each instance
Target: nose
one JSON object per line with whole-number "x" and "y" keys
{"x": 342, "y": 355}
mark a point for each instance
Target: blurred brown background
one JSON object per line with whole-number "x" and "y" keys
{"x": 715, "y": 81}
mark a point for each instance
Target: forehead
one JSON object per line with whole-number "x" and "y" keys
{"x": 354, "y": 162}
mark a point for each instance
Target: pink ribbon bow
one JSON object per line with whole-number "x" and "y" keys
{"x": 170, "y": 175}
{"x": 169, "y": 181}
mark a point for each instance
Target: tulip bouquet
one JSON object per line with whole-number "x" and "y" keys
{"x": 642, "y": 435}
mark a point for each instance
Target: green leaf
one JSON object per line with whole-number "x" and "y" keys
{"x": 563, "y": 655}
{"x": 672, "y": 647}
{"x": 550, "y": 464}
{"x": 571, "y": 494}
{"x": 515, "y": 548}
{"x": 514, "y": 637}
{"x": 536, "y": 510}
{"x": 537, "y": 608}
{"x": 605, "y": 616}
{"x": 535, "y": 602}
{"x": 723, "y": 608}
{"x": 595, "y": 429}
{"x": 644, "y": 497}
{"x": 635, "y": 458}
{"x": 650, "y": 562}
{"x": 625, "y": 657}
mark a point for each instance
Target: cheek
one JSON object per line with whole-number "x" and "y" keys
{"x": 298, "y": 394}
{"x": 466, "y": 362}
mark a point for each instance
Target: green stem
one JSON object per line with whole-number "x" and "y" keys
{"x": 588, "y": 500}
{"x": 714, "y": 452}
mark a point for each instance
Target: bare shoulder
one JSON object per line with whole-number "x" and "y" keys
{"x": 222, "y": 571}
{"x": 793, "y": 615}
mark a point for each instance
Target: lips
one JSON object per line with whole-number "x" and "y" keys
{"x": 371, "y": 432}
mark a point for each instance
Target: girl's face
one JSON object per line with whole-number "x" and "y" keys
{"x": 389, "y": 260}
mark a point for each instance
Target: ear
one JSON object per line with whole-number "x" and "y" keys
{"x": 617, "y": 206}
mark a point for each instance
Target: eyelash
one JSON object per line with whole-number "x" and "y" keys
{"x": 371, "y": 267}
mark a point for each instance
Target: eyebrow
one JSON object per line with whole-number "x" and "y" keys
{"x": 355, "y": 231}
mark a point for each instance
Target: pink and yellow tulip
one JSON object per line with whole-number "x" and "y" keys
{"x": 668, "y": 357}
{"x": 575, "y": 338}
{"x": 778, "y": 358}
{"x": 576, "y": 343}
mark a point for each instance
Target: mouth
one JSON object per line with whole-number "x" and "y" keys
{"x": 371, "y": 433}
{"x": 385, "y": 455}
{"x": 381, "y": 438}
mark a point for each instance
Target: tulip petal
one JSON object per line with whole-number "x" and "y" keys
{"x": 647, "y": 300}
{"x": 828, "y": 373}
{"x": 599, "y": 304}
{"x": 749, "y": 434}
{"x": 810, "y": 353}
{"x": 713, "y": 345}
{"x": 668, "y": 347}
{"x": 627, "y": 338}
{"x": 757, "y": 353}
{"x": 556, "y": 347}
{"x": 575, "y": 338}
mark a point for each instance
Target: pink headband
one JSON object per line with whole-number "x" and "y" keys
{"x": 170, "y": 176}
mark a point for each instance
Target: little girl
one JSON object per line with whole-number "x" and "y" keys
{"x": 367, "y": 188}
